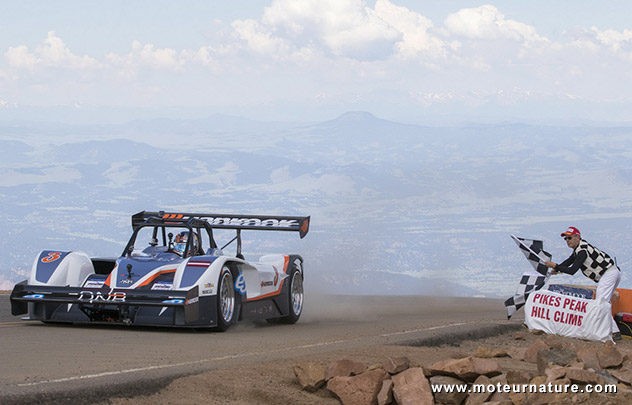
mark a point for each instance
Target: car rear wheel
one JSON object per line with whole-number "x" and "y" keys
{"x": 296, "y": 295}
{"x": 225, "y": 300}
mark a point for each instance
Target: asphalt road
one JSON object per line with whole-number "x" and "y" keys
{"x": 41, "y": 362}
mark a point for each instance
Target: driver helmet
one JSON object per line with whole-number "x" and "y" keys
{"x": 181, "y": 240}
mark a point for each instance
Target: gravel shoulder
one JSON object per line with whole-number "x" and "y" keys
{"x": 274, "y": 382}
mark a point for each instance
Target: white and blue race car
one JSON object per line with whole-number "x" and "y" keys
{"x": 171, "y": 273}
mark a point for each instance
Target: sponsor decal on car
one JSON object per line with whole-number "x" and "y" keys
{"x": 283, "y": 223}
{"x": 191, "y": 300}
{"x": 209, "y": 285}
{"x": 92, "y": 296}
{"x": 267, "y": 284}
{"x": 94, "y": 284}
{"x": 162, "y": 286}
{"x": 240, "y": 284}
{"x": 34, "y": 296}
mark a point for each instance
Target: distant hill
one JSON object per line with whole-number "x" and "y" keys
{"x": 396, "y": 208}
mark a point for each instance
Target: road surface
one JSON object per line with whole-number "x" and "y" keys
{"x": 41, "y": 361}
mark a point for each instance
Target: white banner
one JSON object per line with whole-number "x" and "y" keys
{"x": 563, "y": 315}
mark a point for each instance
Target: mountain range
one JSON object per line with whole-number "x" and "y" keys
{"x": 396, "y": 208}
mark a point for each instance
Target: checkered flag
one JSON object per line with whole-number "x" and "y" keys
{"x": 531, "y": 280}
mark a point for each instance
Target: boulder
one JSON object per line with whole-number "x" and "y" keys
{"x": 531, "y": 354}
{"x": 555, "y": 396}
{"x": 518, "y": 398}
{"x": 357, "y": 390}
{"x": 385, "y": 396}
{"x": 480, "y": 394}
{"x": 467, "y": 369}
{"x": 344, "y": 368}
{"x": 609, "y": 356}
{"x": 554, "y": 373}
{"x": 556, "y": 342}
{"x": 559, "y": 357}
{"x": 518, "y": 377}
{"x": 577, "y": 364}
{"x": 520, "y": 335}
{"x": 411, "y": 387}
{"x": 581, "y": 376}
{"x": 310, "y": 375}
{"x": 589, "y": 357}
{"x": 488, "y": 353}
{"x": 500, "y": 396}
{"x": 517, "y": 353}
{"x": 455, "y": 397}
{"x": 394, "y": 365}
{"x": 427, "y": 371}
{"x": 607, "y": 377}
{"x": 627, "y": 361}
{"x": 623, "y": 375}
{"x": 562, "y": 382}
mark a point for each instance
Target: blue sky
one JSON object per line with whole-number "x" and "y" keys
{"x": 416, "y": 61}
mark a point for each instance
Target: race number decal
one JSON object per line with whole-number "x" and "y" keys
{"x": 52, "y": 256}
{"x": 47, "y": 263}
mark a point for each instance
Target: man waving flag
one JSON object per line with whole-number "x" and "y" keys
{"x": 531, "y": 280}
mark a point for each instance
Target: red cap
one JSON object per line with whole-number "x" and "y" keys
{"x": 571, "y": 231}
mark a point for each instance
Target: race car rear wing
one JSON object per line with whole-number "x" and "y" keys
{"x": 228, "y": 221}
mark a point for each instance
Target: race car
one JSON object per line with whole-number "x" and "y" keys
{"x": 171, "y": 273}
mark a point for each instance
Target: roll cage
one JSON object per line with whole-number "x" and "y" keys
{"x": 160, "y": 230}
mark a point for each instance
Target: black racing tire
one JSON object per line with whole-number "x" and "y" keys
{"x": 296, "y": 295}
{"x": 225, "y": 300}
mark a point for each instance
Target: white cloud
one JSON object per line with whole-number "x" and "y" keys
{"x": 352, "y": 29}
{"x": 415, "y": 29}
{"x": 619, "y": 43}
{"x": 53, "y": 53}
{"x": 344, "y": 28}
{"x": 20, "y": 57}
{"x": 260, "y": 39}
{"x": 487, "y": 23}
{"x": 214, "y": 57}
{"x": 146, "y": 56}
{"x": 359, "y": 54}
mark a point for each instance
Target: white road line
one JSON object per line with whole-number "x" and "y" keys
{"x": 134, "y": 370}
{"x": 425, "y": 329}
{"x": 235, "y": 356}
